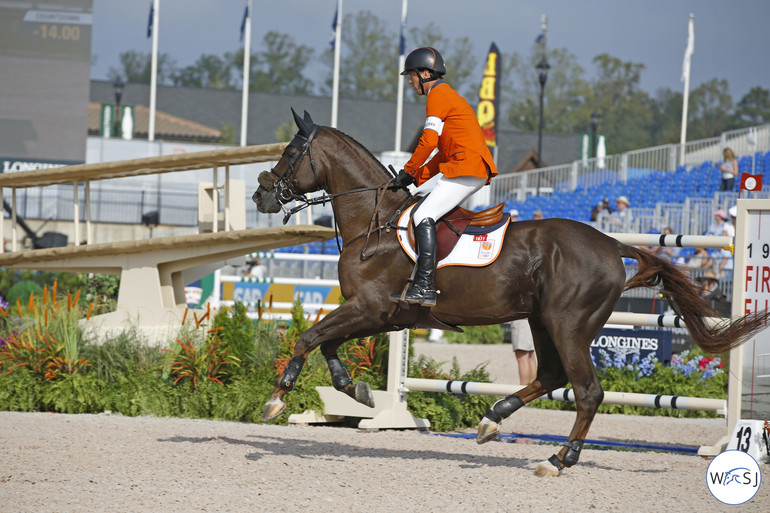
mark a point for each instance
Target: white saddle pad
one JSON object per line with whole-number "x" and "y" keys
{"x": 471, "y": 250}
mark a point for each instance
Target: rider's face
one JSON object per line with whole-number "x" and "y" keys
{"x": 414, "y": 81}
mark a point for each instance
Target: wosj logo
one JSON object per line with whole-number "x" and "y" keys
{"x": 733, "y": 477}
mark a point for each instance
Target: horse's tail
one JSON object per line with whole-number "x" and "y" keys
{"x": 684, "y": 297}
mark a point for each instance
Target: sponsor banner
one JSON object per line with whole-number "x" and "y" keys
{"x": 15, "y": 165}
{"x": 625, "y": 343}
{"x": 249, "y": 293}
{"x": 486, "y": 111}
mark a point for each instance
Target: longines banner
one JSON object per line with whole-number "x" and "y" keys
{"x": 626, "y": 343}
{"x": 486, "y": 112}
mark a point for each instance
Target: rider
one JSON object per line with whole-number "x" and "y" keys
{"x": 463, "y": 160}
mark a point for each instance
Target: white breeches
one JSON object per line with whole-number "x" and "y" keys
{"x": 448, "y": 193}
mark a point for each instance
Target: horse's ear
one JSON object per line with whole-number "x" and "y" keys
{"x": 308, "y": 119}
{"x": 304, "y": 129}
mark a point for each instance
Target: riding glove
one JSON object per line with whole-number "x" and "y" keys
{"x": 402, "y": 180}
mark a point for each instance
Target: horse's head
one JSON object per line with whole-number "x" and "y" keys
{"x": 295, "y": 173}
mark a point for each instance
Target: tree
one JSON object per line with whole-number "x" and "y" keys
{"x": 280, "y": 67}
{"x": 208, "y": 71}
{"x": 709, "y": 109}
{"x": 564, "y": 97}
{"x": 626, "y": 110}
{"x": 458, "y": 57}
{"x": 368, "y": 68}
{"x": 666, "y": 125}
{"x": 137, "y": 68}
{"x": 753, "y": 109}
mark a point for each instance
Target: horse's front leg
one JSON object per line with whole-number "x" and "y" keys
{"x": 360, "y": 392}
{"x": 341, "y": 324}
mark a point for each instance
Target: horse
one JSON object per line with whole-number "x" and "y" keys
{"x": 564, "y": 276}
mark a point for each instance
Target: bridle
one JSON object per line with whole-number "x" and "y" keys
{"x": 287, "y": 189}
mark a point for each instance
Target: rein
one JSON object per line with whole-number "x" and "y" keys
{"x": 286, "y": 185}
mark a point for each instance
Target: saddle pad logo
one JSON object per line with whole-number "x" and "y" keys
{"x": 485, "y": 249}
{"x": 482, "y": 237}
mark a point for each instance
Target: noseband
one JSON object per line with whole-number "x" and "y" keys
{"x": 286, "y": 186}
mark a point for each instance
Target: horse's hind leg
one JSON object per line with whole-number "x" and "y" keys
{"x": 550, "y": 376}
{"x": 588, "y": 397}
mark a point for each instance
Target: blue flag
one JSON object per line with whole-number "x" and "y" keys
{"x": 243, "y": 22}
{"x": 334, "y": 29}
{"x": 149, "y": 21}
{"x": 402, "y": 39}
{"x": 540, "y": 39}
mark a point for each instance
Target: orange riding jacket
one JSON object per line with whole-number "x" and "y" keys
{"x": 452, "y": 127}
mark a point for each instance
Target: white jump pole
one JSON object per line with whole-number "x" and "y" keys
{"x": 566, "y": 394}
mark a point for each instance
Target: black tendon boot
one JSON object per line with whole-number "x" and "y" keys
{"x": 422, "y": 291}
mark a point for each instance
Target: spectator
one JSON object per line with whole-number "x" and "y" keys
{"x": 514, "y": 214}
{"x": 537, "y": 215}
{"x": 729, "y": 169}
{"x": 700, "y": 260}
{"x": 597, "y": 211}
{"x": 720, "y": 224}
{"x": 621, "y": 216}
{"x": 524, "y": 348}
{"x": 710, "y": 286}
{"x": 255, "y": 269}
{"x": 672, "y": 252}
{"x": 606, "y": 205}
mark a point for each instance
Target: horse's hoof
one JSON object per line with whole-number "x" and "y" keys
{"x": 273, "y": 408}
{"x": 546, "y": 469}
{"x": 364, "y": 394}
{"x": 488, "y": 430}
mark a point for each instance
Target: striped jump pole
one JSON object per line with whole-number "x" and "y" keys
{"x": 567, "y": 394}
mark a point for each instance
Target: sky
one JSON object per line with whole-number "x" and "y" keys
{"x": 730, "y": 37}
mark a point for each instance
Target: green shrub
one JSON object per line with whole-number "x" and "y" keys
{"x": 447, "y": 412}
{"x": 20, "y": 292}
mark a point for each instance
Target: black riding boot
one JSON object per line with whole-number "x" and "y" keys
{"x": 422, "y": 291}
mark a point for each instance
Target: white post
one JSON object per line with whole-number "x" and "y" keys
{"x": 154, "y": 69}
{"x": 215, "y": 200}
{"x": 227, "y": 197}
{"x": 246, "y": 73}
{"x": 400, "y": 94}
{"x": 88, "y": 212}
{"x": 686, "y": 79}
{"x": 336, "y": 77}
{"x": 76, "y": 212}
{"x": 14, "y": 236}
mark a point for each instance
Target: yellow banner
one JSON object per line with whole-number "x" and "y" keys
{"x": 486, "y": 111}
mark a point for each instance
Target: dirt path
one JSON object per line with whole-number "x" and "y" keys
{"x": 108, "y": 463}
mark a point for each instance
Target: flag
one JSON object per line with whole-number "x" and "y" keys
{"x": 540, "y": 39}
{"x": 149, "y": 21}
{"x": 402, "y": 38}
{"x": 334, "y": 29}
{"x": 689, "y": 50}
{"x": 243, "y": 22}
{"x": 751, "y": 182}
{"x": 486, "y": 111}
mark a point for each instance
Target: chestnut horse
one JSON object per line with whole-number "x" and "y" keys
{"x": 564, "y": 276}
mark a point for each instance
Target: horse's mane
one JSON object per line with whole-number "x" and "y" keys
{"x": 363, "y": 148}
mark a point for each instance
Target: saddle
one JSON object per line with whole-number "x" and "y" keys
{"x": 458, "y": 221}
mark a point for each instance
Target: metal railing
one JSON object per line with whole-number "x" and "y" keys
{"x": 633, "y": 164}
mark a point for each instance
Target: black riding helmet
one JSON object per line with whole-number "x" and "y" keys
{"x": 425, "y": 58}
